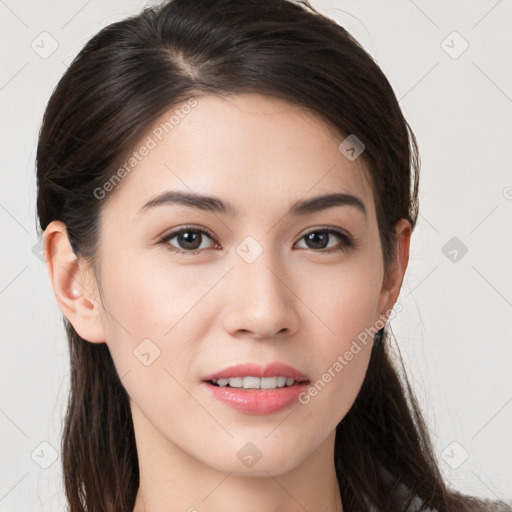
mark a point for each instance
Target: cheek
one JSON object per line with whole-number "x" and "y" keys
{"x": 345, "y": 299}
{"x": 333, "y": 391}
{"x": 346, "y": 303}
{"x": 152, "y": 311}
{"x": 151, "y": 326}
{"x": 152, "y": 299}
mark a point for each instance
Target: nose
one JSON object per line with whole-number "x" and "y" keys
{"x": 261, "y": 302}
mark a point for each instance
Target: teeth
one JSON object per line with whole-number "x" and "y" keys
{"x": 256, "y": 382}
{"x": 268, "y": 383}
{"x": 252, "y": 383}
{"x": 236, "y": 382}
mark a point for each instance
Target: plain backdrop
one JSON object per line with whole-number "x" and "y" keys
{"x": 449, "y": 64}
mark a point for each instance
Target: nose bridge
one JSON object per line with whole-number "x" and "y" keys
{"x": 262, "y": 301}
{"x": 264, "y": 281}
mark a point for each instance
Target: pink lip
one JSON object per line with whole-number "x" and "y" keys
{"x": 256, "y": 401}
{"x": 256, "y": 370}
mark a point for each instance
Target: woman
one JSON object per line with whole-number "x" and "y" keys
{"x": 227, "y": 191}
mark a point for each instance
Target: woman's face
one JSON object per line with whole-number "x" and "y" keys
{"x": 261, "y": 286}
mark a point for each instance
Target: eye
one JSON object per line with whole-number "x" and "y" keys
{"x": 189, "y": 238}
{"x": 319, "y": 239}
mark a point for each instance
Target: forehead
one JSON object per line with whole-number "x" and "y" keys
{"x": 255, "y": 151}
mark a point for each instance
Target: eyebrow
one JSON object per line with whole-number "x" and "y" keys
{"x": 214, "y": 204}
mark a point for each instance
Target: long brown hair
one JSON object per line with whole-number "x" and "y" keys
{"x": 125, "y": 77}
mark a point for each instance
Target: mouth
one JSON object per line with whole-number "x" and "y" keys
{"x": 255, "y": 376}
{"x": 251, "y": 382}
{"x": 258, "y": 390}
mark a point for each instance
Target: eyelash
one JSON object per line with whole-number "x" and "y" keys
{"x": 346, "y": 244}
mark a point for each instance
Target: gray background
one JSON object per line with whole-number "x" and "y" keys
{"x": 454, "y": 329}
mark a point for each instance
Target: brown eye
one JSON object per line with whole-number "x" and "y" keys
{"x": 320, "y": 238}
{"x": 189, "y": 240}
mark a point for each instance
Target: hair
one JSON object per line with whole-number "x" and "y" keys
{"x": 128, "y": 75}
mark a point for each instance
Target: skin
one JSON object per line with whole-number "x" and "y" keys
{"x": 295, "y": 303}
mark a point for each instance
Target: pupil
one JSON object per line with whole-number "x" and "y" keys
{"x": 186, "y": 237}
{"x": 314, "y": 236}
{"x": 191, "y": 240}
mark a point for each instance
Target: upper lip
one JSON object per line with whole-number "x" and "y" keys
{"x": 257, "y": 370}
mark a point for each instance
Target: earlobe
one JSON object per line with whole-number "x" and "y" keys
{"x": 74, "y": 286}
{"x": 392, "y": 283}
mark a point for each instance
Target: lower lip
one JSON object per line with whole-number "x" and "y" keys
{"x": 256, "y": 401}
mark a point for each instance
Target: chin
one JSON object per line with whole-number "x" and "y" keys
{"x": 259, "y": 459}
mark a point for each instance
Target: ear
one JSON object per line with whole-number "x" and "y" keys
{"x": 392, "y": 282}
{"x": 74, "y": 284}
